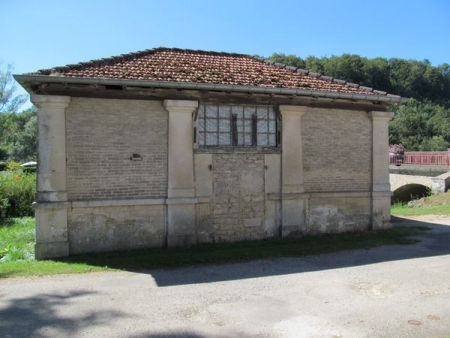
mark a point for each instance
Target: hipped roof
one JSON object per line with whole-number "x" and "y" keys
{"x": 166, "y": 66}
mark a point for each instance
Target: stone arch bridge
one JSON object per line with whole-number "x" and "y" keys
{"x": 437, "y": 184}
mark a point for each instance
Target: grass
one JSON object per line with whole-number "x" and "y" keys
{"x": 17, "y": 239}
{"x": 18, "y": 234}
{"x": 432, "y": 205}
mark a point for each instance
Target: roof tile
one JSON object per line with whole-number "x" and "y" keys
{"x": 189, "y": 66}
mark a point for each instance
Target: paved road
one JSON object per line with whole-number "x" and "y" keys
{"x": 392, "y": 291}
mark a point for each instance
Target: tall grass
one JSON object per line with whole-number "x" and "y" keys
{"x": 17, "y": 239}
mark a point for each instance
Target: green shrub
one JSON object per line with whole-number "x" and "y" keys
{"x": 17, "y": 191}
{"x": 3, "y": 166}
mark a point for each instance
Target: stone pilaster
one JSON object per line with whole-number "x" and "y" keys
{"x": 51, "y": 196}
{"x": 294, "y": 203}
{"x": 381, "y": 188}
{"x": 181, "y": 190}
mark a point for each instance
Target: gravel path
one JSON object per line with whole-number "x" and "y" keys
{"x": 391, "y": 291}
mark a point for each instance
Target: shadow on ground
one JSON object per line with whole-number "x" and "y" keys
{"x": 41, "y": 315}
{"x": 429, "y": 243}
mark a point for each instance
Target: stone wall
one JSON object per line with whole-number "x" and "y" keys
{"x": 106, "y": 226}
{"x": 338, "y": 212}
{"x": 102, "y": 135}
{"x": 238, "y": 196}
{"x": 337, "y": 150}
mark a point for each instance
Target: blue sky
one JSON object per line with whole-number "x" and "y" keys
{"x": 39, "y": 34}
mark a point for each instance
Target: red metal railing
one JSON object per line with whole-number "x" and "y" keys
{"x": 422, "y": 158}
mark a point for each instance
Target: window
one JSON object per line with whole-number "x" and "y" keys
{"x": 237, "y": 125}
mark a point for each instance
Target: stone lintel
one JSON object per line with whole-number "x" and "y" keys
{"x": 50, "y": 101}
{"x": 180, "y": 106}
{"x": 381, "y": 115}
{"x": 286, "y": 110}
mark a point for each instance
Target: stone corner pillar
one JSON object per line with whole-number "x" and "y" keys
{"x": 381, "y": 188}
{"x": 293, "y": 201}
{"x": 181, "y": 189}
{"x": 51, "y": 196}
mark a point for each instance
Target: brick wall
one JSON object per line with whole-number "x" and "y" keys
{"x": 337, "y": 150}
{"x": 238, "y": 196}
{"x": 102, "y": 135}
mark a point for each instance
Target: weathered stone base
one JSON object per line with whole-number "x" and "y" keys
{"x": 381, "y": 210}
{"x": 51, "y": 250}
{"x": 338, "y": 213}
{"x": 319, "y": 213}
{"x": 99, "y": 226}
{"x": 51, "y": 230}
{"x": 181, "y": 222}
{"x": 110, "y": 225}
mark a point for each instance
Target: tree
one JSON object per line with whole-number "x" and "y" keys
{"x": 9, "y": 101}
{"x": 420, "y": 126}
{"x": 18, "y": 130}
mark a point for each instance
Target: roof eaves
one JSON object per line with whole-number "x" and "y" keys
{"x": 25, "y": 79}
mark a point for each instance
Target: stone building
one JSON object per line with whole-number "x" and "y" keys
{"x": 170, "y": 147}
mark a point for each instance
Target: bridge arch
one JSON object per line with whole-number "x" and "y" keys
{"x": 397, "y": 181}
{"x": 407, "y": 187}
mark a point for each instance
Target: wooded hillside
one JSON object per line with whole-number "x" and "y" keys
{"x": 424, "y": 122}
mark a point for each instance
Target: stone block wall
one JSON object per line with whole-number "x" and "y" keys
{"x": 103, "y": 226}
{"x": 337, "y": 150}
{"x": 102, "y": 135}
{"x": 238, "y": 209}
{"x": 338, "y": 212}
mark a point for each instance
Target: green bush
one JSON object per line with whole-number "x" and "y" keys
{"x": 17, "y": 191}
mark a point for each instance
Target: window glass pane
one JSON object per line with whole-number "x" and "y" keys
{"x": 201, "y": 124}
{"x": 248, "y": 112}
{"x": 272, "y": 140}
{"x": 272, "y": 126}
{"x": 224, "y": 112}
{"x": 211, "y": 125}
{"x": 262, "y": 126}
{"x": 238, "y": 110}
{"x": 240, "y": 125}
{"x": 262, "y": 113}
{"x": 211, "y": 111}
{"x": 224, "y": 125}
{"x": 201, "y": 139}
{"x": 262, "y": 140}
{"x": 247, "y": 126}
{"x": 272, "y": 114}
{"x": 240, "y": 139}
{"x": 211, "y": 139}
{"x": 247, "y": 139}
{"x": 224, "y": 139}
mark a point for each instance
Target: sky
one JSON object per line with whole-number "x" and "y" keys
{"x": 41, "y": 34}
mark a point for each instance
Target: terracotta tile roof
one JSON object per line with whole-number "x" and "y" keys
{"x": 191, "y": 66}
